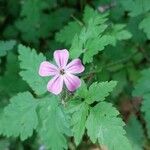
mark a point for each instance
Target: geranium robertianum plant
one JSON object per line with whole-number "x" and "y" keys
{"x": 91, "y": 95}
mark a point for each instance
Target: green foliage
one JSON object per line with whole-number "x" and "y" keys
{"x": 34, "y": 23}
{"x": 146, "y": 110}
{"x": 136, "y": 7}
{"x": 79, "y": 111}
{"x": 111, "y": 37}
{"x": 30, "y": 62}
{"x": 68, "y": 32}
{"x": 97, "y": 118}
{"x": 143, "y": 89}
{"x": 6, "y": 46}
{"x": 143, "y": 85}
{"x": 12, "y": 84}
{"x": 88, "y": 41}
{"x": 31, "y": 22}
{"x": 91, "y": 39}
{"x": 145, "y": 24}
{"x": 97, "y": 91}
{"x": 54, "y": 124}
{"x": 19, "y": 117}
{"x": 133, "y": 129}
{"x": 104, "y": 125}
{"x": 119, "y": 33}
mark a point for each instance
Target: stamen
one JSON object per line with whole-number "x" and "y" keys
{"x": 62, "y": 71}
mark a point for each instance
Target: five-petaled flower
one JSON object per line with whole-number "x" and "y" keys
{"x": 62, "y": 73}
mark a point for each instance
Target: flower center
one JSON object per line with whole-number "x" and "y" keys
{"x": 62, "y": 72}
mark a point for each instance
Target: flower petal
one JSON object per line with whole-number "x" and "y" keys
{"x": 61, "y": 57}
{"x": 75, "y": 66}
{"x": 47, "y": 69}
{"x": 55, "y": 85}
{"x": 72, "y": 82}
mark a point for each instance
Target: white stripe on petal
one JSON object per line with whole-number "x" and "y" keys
{"x": 75, "y": 66}
{"x": 61, "y": 58}
{"x": 55, "y": 85}
{"x": 47, "y": 69}
{"x": 72, "y": 82}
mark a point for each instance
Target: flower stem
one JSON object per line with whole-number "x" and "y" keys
{"x": 63, "y": 96}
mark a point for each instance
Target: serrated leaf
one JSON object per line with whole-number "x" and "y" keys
{"x": 145, "y": 24}
{"x": 6, "y": 46}
{"x": 82, "y": 91}
{"x": 143, "y": 85}
{"x": 76, "y": 47}
{"x": 94, "y": 36}
{"x": 29, "y": 63}
{"x": 12, "y": 84}
{"x": 79, "y": 112}
{"x": 133, "y": 129}
{"x": 29, "y": 22}
{"x": 99, "y": 91}
{"x": 133, "y": 27}
{"x": 34, "y": 23}
{"x": 142, "y": 89}
{"x": 96, "y": 45}
{"x": 136, "y": 7}
{"x": 20, "y": 117}
{"x": 54, "y": 124}
{"x": 104, "y": 125}
{"x": 146, "y": 110}
{"x": 91, "y": 13}
{"x": 67, "y": 34}
{"x": 88, "y": 14}
{"x": 118, "y": 32}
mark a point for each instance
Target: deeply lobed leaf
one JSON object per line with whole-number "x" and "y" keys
{"x": 54, "y": 124}
{"x": 104, "y": 125}
{"x": 20, "y": 117}
{"x": 29, "y": 63}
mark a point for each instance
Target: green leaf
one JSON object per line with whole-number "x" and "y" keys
{"x": 121, "y": 77}
{"x": 54, "y": 124}
{"x": 79, "y": 112}
{"x": 6, "y": 46}
{"x": 142, "y": 88}
{"x": 99, "y": 91}
{"x": 91, "y": 13}
{"x": 20, "y": 117}
{"x": 96, "y": 45}
{"x": 29, "y": 22}
{"x": 82, "y": 91}
{"x": 34, "y": 23}
{"x": 143, "y": 85}
{"x": 118, "y": 33}
{"x": 67, "y": 34}
{"x": 94, "y": 36}
{"x": 30, "y": 62}
{"x": 11, "y": 83}
{"x": 145, "y": 24}
{"x": 146, "y": 110}
{"x": 104, "y": 125}
{"x": 76, "y": 47}
{"x": 133, "y": 27}
{"x": 88, "y": 14}
{"x": 88, "y": 41}
{"x": 136, "y": 7}
{"x": 133, "y": 129}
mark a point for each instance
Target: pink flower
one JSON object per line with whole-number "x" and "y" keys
{"x": 62, "y": 73}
